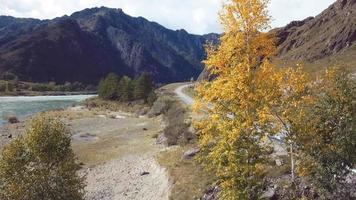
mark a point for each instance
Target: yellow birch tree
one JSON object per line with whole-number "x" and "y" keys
{"x": 242, "y": 104}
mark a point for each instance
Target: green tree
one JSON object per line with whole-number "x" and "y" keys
{"x": 326, "y": 137}
{"x": 125, "y": 88}
{"x": 143, "y": 86}
{"x": 108, "y": 87}
{"x": 41, "y": 165}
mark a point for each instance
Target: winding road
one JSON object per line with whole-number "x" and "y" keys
{"x": 184, "y": 97}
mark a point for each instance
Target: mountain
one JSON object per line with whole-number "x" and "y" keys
{"x": 327, "y": 39}
{"x": 91, "y": 43}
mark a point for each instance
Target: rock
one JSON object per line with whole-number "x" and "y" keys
{"x": 279, "y": 162}
{"x": 162, "y": 139}
{"x": 142, "y": 111}
{"x": 270, "y": 193}
{"x": 144, "y": 173}
{"x": 13, "y": 120}
{"x": 212, "y": 193}
{"x": 191, "y": 153}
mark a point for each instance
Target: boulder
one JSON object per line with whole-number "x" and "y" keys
{"x": 212, "y": 193}
{"x": 191, "y": 153}
{"x": 12, "y": 120}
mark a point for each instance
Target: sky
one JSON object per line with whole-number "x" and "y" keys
{"x": 196, "y": 16}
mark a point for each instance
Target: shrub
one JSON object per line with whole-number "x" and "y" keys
{"x": 177, "y": 130}
{"x": 327, "y": 141}
{"x": 12, "y": 119}
{"x": 40, "y": 165}
{"x": 152, "y": 97}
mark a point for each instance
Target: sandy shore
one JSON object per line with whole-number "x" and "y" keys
{"x": 124, "y": 178}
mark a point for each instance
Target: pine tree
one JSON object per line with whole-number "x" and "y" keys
{"x": 108, "y": 87}
{"x": 125, "y": 89}
{"x": 143, "y": 86}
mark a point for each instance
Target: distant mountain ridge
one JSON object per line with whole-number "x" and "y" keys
{"x": 91, "y": 43}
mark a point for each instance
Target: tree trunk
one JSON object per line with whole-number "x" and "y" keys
{"x": 292, "y": 161}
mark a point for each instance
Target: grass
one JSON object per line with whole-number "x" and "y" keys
{"x": 344, "y": 59}
{"x": 189, "y": 180}
{"x": 275, "y": 171}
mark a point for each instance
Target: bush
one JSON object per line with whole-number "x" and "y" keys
{"x": 152, "y": 97}
{"x": 175, "y": 115}
{"x": 327, "y": 140}
{"x": 12, "y": 119}
{"x": 177, "y": 129}
{"x": 40, "y": 165}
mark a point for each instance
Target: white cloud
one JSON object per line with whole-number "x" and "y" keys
{"x": 196, "y": 16}
{"x": 285, "y": 11}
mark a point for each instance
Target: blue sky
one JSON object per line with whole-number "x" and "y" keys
{"x": 196, "y": 16}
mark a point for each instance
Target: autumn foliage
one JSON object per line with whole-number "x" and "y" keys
{"x": 250, "y": 101}
{"x": 41, "y": 165}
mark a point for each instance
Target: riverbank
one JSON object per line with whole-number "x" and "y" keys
{"x": 22, "y": 107}
{"x": 47, "y": 93}
{"x": 117, "y": 151}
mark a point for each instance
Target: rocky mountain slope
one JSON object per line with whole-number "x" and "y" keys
{"x": 91, "y": 43}
{"x": 330, "y": 33}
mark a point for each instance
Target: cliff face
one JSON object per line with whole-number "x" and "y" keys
{"x": 91, "y": 43}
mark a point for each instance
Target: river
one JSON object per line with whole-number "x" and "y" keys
{"x": 22, "y": 106}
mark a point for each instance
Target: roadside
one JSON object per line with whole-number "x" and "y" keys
{"x": 188, "y": 178}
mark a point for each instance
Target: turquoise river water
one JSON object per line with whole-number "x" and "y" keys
{"x": 22, "y": 107}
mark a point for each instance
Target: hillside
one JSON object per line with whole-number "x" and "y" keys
{"x": 329, "y": 38}
{"x": 89, "y": 44}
